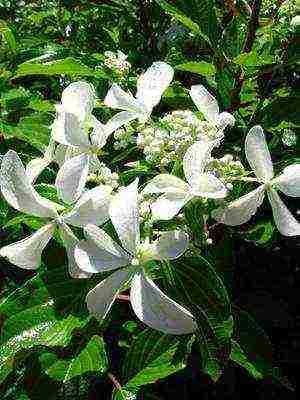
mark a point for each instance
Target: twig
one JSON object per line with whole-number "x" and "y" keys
{"x": 250, "y": 38}
{"x": 124, "y": 297}
{"x": 115, "y": 381}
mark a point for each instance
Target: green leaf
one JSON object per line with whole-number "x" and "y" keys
{"x": 31, "y": 316}
{"x": 33, "y": 129}
{"x": 261, "y": 233}
{"x": 252, "y": 349}
{"x": 183, "y": 18}
{"x": 69, "y": 66}
{"x": 154, "y": 355}
{"x": 199, "y": 288}
{"x": 200, "y": 68}
{"x": 280, "y": 109}
{"x": 8, "y": 36}
{"x": 239, "y": 357}
{"x": 92, "y": 358}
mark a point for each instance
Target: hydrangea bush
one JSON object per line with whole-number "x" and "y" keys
{"x": 130, "y": 197}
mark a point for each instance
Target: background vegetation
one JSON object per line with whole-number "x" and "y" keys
{"x": 246, "y": 53}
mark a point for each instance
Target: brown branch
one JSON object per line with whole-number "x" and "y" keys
{"x": 124, "y": 297}
{"x": 253, "y": 25}
{"x": 115, "y": 381}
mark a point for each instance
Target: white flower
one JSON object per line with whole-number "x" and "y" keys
{"x": 70, "y": 129}
{"x": 150, "y": 87}
{"x": 241, "y": 210}
{"x": 177, "y": 192}
{"x": 91, "y": 207}
{"x": 208, "y": 106}
{"x": 100, "y": 253}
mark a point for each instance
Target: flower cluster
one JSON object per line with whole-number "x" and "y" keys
{"x": 77, "y": 140}
{"x": 117, "y": 62}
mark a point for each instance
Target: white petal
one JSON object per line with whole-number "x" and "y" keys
{"x": 99, "y": 252}
{"x": 71, "y": 178}
{"x": 165, "y": 183}
{"x": 119, "y": 120}
{"x": 208, "y": 186}
{"x": 100, "y": 299}
{"x": 99, "y": 134}
{"x": 91, "y": 208}
{"x": 258, "y": 154}
{"x": 289, "y": 181}
{"x": 168, "y": 205}
{"x": 241, "y": 210}
{"x": 66, "y": 129}
{"x": 205, "y": 102}
{"x": 70, "y": 241}
{"x": 37, "y": 165}
{"x": 18, "y": 191}
{"x": 157, "y": 310}
{"x": 195, "y": 160}
{"x": 79, "y": 99}
{"x": 284, "y": 220}
{"x": 124, "y": 214}
{"x": 27, "y": 252}
{"x": 170, "y": 245}
{"x": 225, "y": 119}
{"x": 152, "y": 84}
{"x": 117, "y": 98}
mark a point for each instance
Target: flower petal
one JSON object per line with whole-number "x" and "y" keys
{"x": 289, "y": 181}
{"x": 71, "y": 178}
{"x": 208, "y": 186}
{"x": 91, "y": 208}
{"x": 258, "y": 154}
{"x": 117, "y": 98}
{"x": 195, "y": 160}
{"x": 99, "y": 134}
{"x": 241, "y": 210}
{"x": 27, "y": 252}
{"x": 152, "y": 84}
{"x": 205, "y": 102}
{"x": 99, "y": 252}
{"x": 170, "y": 245}
{"x": 66, "y": 129}
{"x": 18, "y": 191}
{"x": 79, "y": 99}
{"x": 165, "y": 183}
{"x": 70, "y": 241}
{"x": 100, "y": 299}
{"x": 124, "y": 215}
{"x": 225, "y": 119}
{"x": 37, "y": 165}
{"x": 119, "y": 120}
{"x": 168, "y": 205}
{"x": 157, "y": 310}
{"x": 284, "y": 220}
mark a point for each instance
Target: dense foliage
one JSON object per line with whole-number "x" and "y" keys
{"x": 146, "y": 136}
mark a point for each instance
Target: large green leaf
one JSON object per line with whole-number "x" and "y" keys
{"x": 43, "y": 312}
{"x": 33, "y": 129}
{"x": 183, "y": 18}
{"x": 68, "y": 66}
{"x": 252, "y": 349}
{"x": 200, "y": 68}
{"x": 92, "y": 358}
{"x": 154, "y": 355}
{"x": 8, "y": 36}
{"x": 280, "y": 109}
{"x": 199, "y": 288}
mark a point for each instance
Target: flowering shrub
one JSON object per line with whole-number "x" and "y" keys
{"x": 117, "y": 213}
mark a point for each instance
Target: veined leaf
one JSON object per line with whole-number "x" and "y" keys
{"x": 154, "y": 355}
{"x": 30, "y": 316}
{"x": 8, "y": 36}
{"x": 184, "y": 19}
{"x": 201, "y": 68}
{"x": 199, "y": 288}
{"x": 252, "y": 350}
{"x": 92, "y": 358}
{"x": 68, "y": 66}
